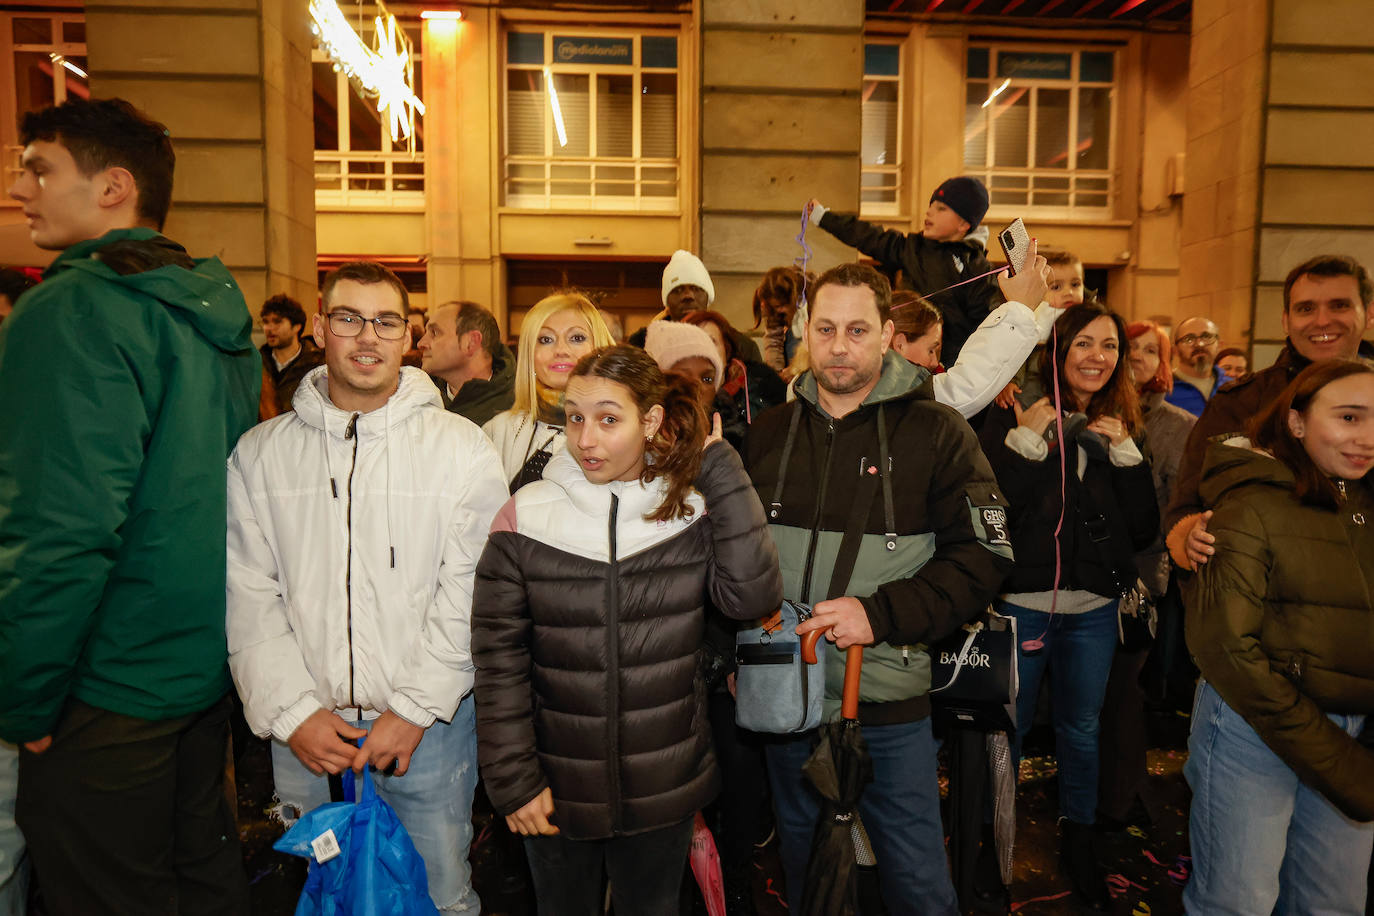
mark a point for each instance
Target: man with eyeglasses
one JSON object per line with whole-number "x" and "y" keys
{"x": 355, "y": 524}
{"x": 1196, "y": 377}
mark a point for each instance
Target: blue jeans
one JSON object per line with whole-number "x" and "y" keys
{"x": 433, "y": 800}
{"x": 1078, "y": 650}
{"x": 900, "y": 809}
{"x": 1262, "y": 841}
{"x": 14, "y": 867}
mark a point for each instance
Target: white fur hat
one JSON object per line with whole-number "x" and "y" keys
{"x": 670, "y": 342}
{"x": 686, "y": 269}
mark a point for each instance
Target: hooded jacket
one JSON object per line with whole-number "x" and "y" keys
{"x": 481, "y": 399}
{"x": 928, "y": 267}
{"x": 127, "y": 375}
{"x": 352, "y": 543}
{"x": 1280, "y": 619}
{"x": 588, "y": 623}
{"x": 950, "y": 549}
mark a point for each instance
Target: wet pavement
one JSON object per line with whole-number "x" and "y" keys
{"x": 1147, "y": 861}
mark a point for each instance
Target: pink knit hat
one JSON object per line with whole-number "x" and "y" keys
{"x": 670, "y": 342}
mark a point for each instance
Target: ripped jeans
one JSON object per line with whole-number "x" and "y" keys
{"x": 433, "y": 800}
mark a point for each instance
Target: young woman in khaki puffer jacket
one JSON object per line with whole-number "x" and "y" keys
{"x": 1281, "y": 624}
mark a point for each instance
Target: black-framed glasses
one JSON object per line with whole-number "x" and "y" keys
{"x": 1201, "y": 339}
{"x": 350, "y": 324}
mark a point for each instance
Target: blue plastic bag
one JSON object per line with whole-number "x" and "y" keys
{"x": 370, "y": 866}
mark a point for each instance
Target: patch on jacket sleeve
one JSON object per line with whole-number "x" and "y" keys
{"x": 990, "y": 526}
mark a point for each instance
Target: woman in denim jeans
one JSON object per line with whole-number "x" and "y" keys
{"x": 1281, "y": 624}
{"x": 1071, "y": 523}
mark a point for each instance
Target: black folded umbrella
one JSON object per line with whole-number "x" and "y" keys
{"x": 839, "y": 768}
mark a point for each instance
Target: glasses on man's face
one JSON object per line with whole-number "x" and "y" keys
{"x": 350, "y": 324}
{"x": 1200, "y": 340}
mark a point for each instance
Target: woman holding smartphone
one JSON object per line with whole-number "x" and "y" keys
{"x": 1281, "y": 624}
{"x": 1073, "y": 516}
{"x": 588, "y": 617}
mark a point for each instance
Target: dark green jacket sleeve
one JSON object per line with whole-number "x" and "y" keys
{"x": 72, "y": 438}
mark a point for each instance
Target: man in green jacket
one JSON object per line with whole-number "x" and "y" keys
{"x": 127, "y": 376}
{"x": 866, "y": 455}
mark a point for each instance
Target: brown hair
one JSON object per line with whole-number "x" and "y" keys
{"x": 699, "y": 317}
{"x": 913, "y": 315}
{"x": 1164, "y": 377}
{"x": 108, "y": 133}
{"x": 1117, "y": 397}
{"x": 783, "y": 283}
{"x": 1059, "y": 257}
{"x": 1270, "y": 429}
{"x": 675, "y": 450}
{"x": 854, "y": 274}
{"x": 1330, "y": 265}
{"x": 366, "y": 272}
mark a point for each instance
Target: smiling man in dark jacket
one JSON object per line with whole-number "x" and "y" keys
{"x": 866, "y": 447}
{"x": 127, "y": 375}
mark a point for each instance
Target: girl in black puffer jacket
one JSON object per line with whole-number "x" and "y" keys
{"x": 587, "y": 621}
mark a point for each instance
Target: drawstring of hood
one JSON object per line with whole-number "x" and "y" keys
{"x": 386, "y": 436}
{"x": 313, "y": 407}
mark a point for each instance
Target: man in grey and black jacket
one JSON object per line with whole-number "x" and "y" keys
{"x": 873, "y": 451}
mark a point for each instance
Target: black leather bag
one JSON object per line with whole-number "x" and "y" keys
{"x": 974, "y": 675}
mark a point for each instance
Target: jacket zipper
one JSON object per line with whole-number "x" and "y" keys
{"x": 811, "y": 555}
{"x": 350, "y": 433}
{"x": 613, "y": 673}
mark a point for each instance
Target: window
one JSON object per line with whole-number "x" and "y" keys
{"x": 356, "y": 164}
{"x": 47, "y": 64}
{"x": 591, "y": 120}
{"x": 1039, "y": 128}
{"x": 881, "y": 176}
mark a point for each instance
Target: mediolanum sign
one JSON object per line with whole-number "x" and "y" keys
{"x": 582, "y": 49}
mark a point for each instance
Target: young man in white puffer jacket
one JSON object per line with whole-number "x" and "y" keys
{"x": 355, "y": 524}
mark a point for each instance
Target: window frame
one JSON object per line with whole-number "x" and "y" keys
{"x": 335, "y": 165}
{"x": 897, "y": 169}
{"x": 1073, "y": 85}
{"x": 550, "y": 158}
{"x": 10, "y": 111}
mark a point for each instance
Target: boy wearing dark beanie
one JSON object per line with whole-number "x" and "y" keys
{"x": 950, "y": 248}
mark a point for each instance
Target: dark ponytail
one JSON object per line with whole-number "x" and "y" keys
{"x": 675, "y": 450}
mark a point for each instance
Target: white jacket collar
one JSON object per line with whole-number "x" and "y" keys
{"x": 637, "y": 499}
{"x": 311, "y": 403}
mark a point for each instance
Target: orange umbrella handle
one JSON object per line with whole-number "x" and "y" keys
{"x": 853, "y": 668}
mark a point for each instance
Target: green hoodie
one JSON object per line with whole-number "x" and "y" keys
{"x": 126, "y": 378}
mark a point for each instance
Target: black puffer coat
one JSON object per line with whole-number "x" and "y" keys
{"x": 587, "y": 622}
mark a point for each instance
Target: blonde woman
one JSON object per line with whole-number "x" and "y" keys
{"x": 555, "y": 334}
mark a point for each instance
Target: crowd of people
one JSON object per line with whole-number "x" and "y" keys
{"x": 531, "y": 564}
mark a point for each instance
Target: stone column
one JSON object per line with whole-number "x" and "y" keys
{"x": 1280, "y": 156}
{"x": 780, "y": 114}
{"x": 461, "y": 201}
{"x": 231, "y": 80}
